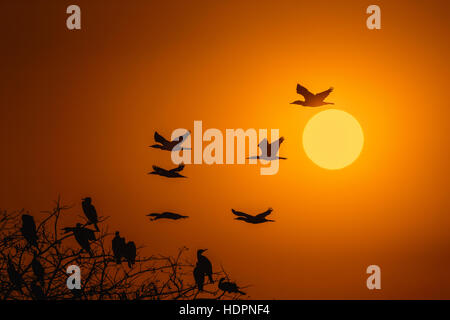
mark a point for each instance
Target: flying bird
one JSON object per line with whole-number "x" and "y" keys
{"x": 38, "y": 269}
{"x": 173, "y": 173}
{"x": 269, "y": 151}
{"x": 90, "y": 212}
{"x": 259, "y": 218}
{"x": 118, "y": 247}
{"x": 164, "y": 144}
{"x": 229, "y": 287}
{"x": 14, "y": 276}
{"x": 130, "y": 253}
{"x": 166, "y": 215}
{"x": 82, "y": 236}
{"x": 311, "y": 99}
{"x": 29, "y": 230}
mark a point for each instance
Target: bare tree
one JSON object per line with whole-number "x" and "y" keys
{"x": 38, "y": 271}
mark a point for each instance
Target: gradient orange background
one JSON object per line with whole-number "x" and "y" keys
{"x": 79, "y": 108}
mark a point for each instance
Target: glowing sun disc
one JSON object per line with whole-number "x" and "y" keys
{"x": 333, "y": 139}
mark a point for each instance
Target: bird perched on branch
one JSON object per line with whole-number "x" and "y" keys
{"x": 164, "y": 144}
{"x": 259, "y": 218}
{"x": 311, "y": 99}
{"x": 82, "y": 236}
{"x": 29, "y": 230}
{"x": 229, "y": 287}
{"x": 166, "y": 215}
{"x": 118, "y": 247}
{"x": 269, "y": 151}
{"x": 90, "y": 212}
{"x": 203, "y": 268}
{"x": 173, "y": 173}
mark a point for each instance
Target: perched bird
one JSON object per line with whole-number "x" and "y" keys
{"x": 14, "y": 276}
{"x": 82, "y": 236}
{"x": 166, "y": 215}
{"x": 269, "y": 151}
{"x": 173, "y": 173}
{"x": 130, "y": 253}
{"x": 229, "y": 287}
{"x": 90, "y": 212}
{"x": 29, "y": 230}
{"x": 165, "y": 144}
{"x": 259, "y": 218}
{"x": 38, "y": 269}
{"x": 199, "y": 277}
{"x": 204, "y": 264}
{"x": 312, "y": 100}
{"x": 37, "y": 291}
{"x": 118, "y": 247}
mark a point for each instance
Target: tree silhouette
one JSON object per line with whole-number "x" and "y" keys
{"x": 40, "y": 272}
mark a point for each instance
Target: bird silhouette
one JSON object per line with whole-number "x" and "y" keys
{"x": 199, "y": 277}
{"x": 259, "y": 218}
{"x": 90, "y": 212}
{"x": 118, "y": 247}
{"x": 37, "y": 291}
{"x": 229, "y": 287}
{"x": 312, "y": 100}
{"x": 29, "y": 230}
{"x": 130, "y": 253}
{"x": 166, "y": 215}
{"x": 173, "y": 173}
{"x": 204, "y": 264}
{"x": 38, "y": 269}
{"x": 82, "y": 236}
{"x": 14, "y": 276}
{"x": 269, "y": 151}
{"x": 164, "y": 144}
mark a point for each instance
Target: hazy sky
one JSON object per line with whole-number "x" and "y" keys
{"x": 79, "y": 108}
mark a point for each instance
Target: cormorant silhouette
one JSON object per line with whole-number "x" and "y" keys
{"x": 199, "y": 277}
{"x": 204, "y": 264}
{"x": 38, "y": 269}
{"x": 90, "y": 212}
{"x": 37, "y": 292}
{"x": 118, "y": 247}
{"x": 164, "y": 144}
{"x": 229, "y": 287}
{"x": 259, "y": 218}
{"x": 269, "y": 151}
{"x": 29, "y": 230}
{"x": 14, "y": 276}
{"x": 173, "y": 173}
{"x": 130, "y": 253}
{"x": 82, "y": 236}
{"x": 166, "y": 215}
{"x": 312, "y": 100}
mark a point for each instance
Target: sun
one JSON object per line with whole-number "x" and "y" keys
{"x": 333, "y": 139}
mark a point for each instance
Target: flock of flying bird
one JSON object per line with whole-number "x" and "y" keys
{"x": 268, "y": 152}
{"x": 123, "y": 250}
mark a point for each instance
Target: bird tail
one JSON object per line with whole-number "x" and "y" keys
{"x": 241, "y": 292}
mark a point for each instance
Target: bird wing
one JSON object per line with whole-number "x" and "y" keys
{"x": 265, "y": 213}
{"x": 159, "y": 138}
{"x": 153, "y": 214}
{"x": 158, "y": 169}
{"x": 304, "y": 92}
{"x": 89, "y": 234}
{"x": 324, "y": 94}
{"x": 241, "y": 214}
{"x": 274, "y": 146}
{"x": 179, "y": 168}
{"x": 263, "y": 146}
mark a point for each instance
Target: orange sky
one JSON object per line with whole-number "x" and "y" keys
{"x": 79, "y": 108}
